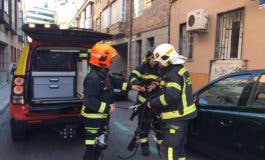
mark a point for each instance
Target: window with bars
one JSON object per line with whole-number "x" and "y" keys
{"x": 229, "y": 35}
{"x": 185, "y": 42}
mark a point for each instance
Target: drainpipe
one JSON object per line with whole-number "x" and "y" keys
{"x": 130, "y": 38}
{"x": 169, "y": 18}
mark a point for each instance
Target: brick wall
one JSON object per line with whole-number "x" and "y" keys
{"x": 153, "y": 17}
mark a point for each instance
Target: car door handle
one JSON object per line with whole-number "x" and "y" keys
{"x": 226, "y": 123}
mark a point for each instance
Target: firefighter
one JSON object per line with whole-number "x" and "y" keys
{"x": 98, "y": 100}
{"x": 144, "y": 75}
{"x": 175, "y": 103}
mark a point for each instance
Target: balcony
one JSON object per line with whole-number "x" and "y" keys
{"x": 4, "y": 17}
{"x": 117, "y": 30}
{"x": 6, "y": 20}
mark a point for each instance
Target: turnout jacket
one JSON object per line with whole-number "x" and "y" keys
{"x": 176, "y": 101}
{"x": 98, "y": 93}
{"x": 144, "y": 75}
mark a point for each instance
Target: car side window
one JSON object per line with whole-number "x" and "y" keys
{"x": 259, "y": 95}
{"x": 224, "y": 92}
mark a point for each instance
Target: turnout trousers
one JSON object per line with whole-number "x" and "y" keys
{"x": 148, "y": 121}
{"x": 173, "y": 145}
{"x": 93, "y": 128}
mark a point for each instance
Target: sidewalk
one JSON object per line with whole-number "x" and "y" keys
{"x": 4, "y": 96}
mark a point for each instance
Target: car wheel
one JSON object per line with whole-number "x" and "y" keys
{"x": 18, "y": 130}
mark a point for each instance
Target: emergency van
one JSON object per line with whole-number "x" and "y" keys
{"x": 47, "y": 84}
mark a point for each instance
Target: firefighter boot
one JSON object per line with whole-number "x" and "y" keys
{"x": 145, "y": 149}
{"x": 158, "y": 149}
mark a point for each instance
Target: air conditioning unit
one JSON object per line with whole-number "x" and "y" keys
{"x": 197, "y": 20}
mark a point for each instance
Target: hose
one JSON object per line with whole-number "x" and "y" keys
{"x": 129, "y": 156}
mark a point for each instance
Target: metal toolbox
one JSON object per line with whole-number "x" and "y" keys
{"x": 53, "y": 85}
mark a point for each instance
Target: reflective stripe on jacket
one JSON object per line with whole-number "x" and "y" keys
{"x": 98, "y": 93}
{"x": 144, "y": 75}
{"x": 177, "y": 99}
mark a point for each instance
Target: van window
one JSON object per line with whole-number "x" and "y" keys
{"x": 53, "y": 60}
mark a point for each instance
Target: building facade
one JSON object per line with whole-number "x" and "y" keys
{"x": 10, "y": 36}
{"x": 82, "y": 17}
{"x": 135, "y": 25}
{"x": 39, "y": 15}
{"x": 228, "y": 37}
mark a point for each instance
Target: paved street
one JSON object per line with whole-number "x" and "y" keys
{"x": 44, "y": 143}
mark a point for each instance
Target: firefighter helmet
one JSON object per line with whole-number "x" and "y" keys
{"x": 149, "y": 54}
{"x": 101, "y": 55}
{"x": 166, "y": 54}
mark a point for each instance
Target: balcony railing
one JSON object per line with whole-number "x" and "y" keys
{"x": 4, "y": 17}
{"x": 117, "y": 29}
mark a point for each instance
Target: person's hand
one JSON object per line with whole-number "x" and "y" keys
{"x": 148, "y": 105}
{"x": 112, "y": 108}
{"x": 138, "y": 88}
{"x": 152, "y": 86}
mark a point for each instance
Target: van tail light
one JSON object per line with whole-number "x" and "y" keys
{"x": 19, "y": 81}
{"x": 18, "y": 91}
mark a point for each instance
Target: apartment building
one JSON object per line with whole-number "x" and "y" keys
{"x": 136, "y": 25}
{"x": 39, "y": 15}
{"x": 218, "y": 37}
{"x": 82, "y": 17}
{"x": 10, "y": 36}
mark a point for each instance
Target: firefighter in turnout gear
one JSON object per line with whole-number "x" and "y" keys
{"x": 98, "y": 100}
{"x": 144, "y": 76}
{"x": 175, "y": 103}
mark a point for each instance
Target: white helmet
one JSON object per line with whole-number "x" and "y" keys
{"x": 165, "y": 54}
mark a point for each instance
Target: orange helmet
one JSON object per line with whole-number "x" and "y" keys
{"x": 101, "y": 55}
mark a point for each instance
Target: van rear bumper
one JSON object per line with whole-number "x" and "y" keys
{"x": 53, "y": 115}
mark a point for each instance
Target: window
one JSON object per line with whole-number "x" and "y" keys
{"x": 185, "y": 42}
{"x": 115, "y": 10}
{"x": 118, "y": 11}
{"x": 259, "y": 96}
{"x": 139, "y": 50}
{"x": 229, "y": 35}
{"x": 123, "y": 11}
{"x": 140, "y": 5}
{"x": 225, "y": 92}
{"x": 6, "y": 8}
{"x": 105, "y": 18}
{"x": 150, "y": 42}
{"x": 138, "y": 8}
